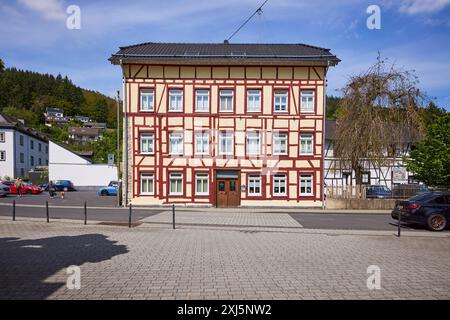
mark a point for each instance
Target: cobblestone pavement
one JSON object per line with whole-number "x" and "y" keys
{"x": 155, "y": 262}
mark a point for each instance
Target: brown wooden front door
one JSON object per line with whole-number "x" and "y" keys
{"x": 227, "y": 191}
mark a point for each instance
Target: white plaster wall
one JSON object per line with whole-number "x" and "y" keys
{"x": 7, "y": 166}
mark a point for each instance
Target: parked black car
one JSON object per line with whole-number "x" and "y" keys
{"x": 378, "y": 192}
{"x": 431, "y": 210}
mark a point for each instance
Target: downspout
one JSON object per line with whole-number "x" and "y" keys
{"x": 125, "y": 135}
{"x": 323, "y": 134}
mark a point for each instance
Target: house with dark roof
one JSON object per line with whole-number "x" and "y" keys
{"x": 338, "y": 173}
{"x": 82, "y": 135}
{"x": 21, "y": 148}
{"x": 223, "y": 124}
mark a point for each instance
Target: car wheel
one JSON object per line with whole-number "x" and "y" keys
{"x": 104, "y": 193}
{"x": 28, "y": 191}
{"x": 437, "y": 222}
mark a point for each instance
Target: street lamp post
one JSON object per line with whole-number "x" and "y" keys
{"x": 119, "y": 184}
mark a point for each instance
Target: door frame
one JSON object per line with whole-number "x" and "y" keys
{"x": 216, "y": 185}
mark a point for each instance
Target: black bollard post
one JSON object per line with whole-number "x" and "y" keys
{"x": 129, "y": 217}
{"x": 46, "y": 211}
{"x": 173, "y": 217}
{"x": 398, "y": 223}
{"x": 85, "y": 213}
{"x": 14, "y": 210}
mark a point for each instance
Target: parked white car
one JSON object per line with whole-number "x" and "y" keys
{"x": 4, "y": 190}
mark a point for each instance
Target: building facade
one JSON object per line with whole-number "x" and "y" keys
{"x": 391, "y": 173}
{"x": 224, "y": 125}
{"x": 21, "y": 148}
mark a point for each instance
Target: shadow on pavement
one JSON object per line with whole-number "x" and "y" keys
{"x": 26, "y": 264}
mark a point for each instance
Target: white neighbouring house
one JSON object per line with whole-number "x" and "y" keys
{"x": 21, "y": 148}
{"x": 67, "y": 165}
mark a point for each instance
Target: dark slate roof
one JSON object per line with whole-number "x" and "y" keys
{"x": 84, "y": 131}
{"x": 201, "y": 51}
{"x": 12, "y": 123}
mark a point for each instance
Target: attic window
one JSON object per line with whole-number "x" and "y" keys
{"x": 238, "y": 53}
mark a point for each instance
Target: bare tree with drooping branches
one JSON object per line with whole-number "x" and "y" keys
{"x": 379, "y": 112}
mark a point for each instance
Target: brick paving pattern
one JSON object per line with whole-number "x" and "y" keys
{"x": 155, "y": 262}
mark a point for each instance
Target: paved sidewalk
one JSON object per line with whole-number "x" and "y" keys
{"x": 152, "y": 262}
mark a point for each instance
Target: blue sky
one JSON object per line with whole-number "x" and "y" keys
{"x": 415, "y": 34}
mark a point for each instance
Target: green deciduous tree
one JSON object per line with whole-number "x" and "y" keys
{"x": 430, "y": 160}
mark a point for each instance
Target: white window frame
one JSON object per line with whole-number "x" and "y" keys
{"x": 2, "y": 136}
{"x": 203, "y": 96}
{"x": 278, "y": 96}
{"x": 254, "y": 100}
{"x": 229, "y": 94}
{"x": 306, "y": 139}
{"x": 222, "y": 135}
{"x": 148, "y": 177}
{"x": 2, "y": 155}
{"x": 277, "y": 179}
{"x": 176, "y": 136}
{"x": 201, "y": 139}
{"x": 307, "y": 100}
{"x": 254, "y": 180}
{"x": 277, "y": 138}
{"x": 253, "y": 135}
{"x": 307, "y": 177}
{"x": 147, "y": 100}
{"x": 176, "y": 98}
{"x": 202, "y": 176}
{"x": 145, "y": 137}
{"x": 178, "y": 176}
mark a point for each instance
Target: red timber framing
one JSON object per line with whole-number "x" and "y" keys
{"x": 161, "y": 163}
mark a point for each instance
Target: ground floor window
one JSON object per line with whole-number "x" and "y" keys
{"x": 2, "y": 155}
{"x": 176, "y": 184}
{"x": 201, "y": 184}
{"x": 365, "y": 178}
{"x": 147, "y": 182}
{"x": 306, "y": 185}
{"x": 254, "y": 185}
{"x": 279, "y": 185}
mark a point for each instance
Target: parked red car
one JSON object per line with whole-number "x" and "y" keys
{"x": 27, "y": 188}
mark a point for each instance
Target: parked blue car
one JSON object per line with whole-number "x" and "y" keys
{"x": 63, "y": 185}
{"x": 378, "y": 192}
{"x": 110, "y": 190}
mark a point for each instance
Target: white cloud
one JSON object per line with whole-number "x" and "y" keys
{"x": 49, "y": 9}
{"x": 422, "y": 6}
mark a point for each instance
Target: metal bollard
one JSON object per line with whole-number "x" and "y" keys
{"x": 46, "y": 211}
{"x": 14, "y": 210}
{"x": 398, "y": 224}
{"x": 129, "y": 217}
{"x": 85, "y": 213}
{"x": 173, "y": 217}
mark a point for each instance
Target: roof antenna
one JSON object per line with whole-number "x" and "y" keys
{"x": 258, "y": 11}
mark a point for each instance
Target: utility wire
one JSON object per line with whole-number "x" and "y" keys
{"x": 258, "y": 11}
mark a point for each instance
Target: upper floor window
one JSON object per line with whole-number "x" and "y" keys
{"x": 46, "y": 149}
{"x": 40, "y": 161}
{"x": 253, "y": 143}
{"x": 176, "y": 100}
{"x": 307, "y": 101}
{"x": 147, "y": 143}
{"x": 21, "y": 140}
{"x": 253, "y": 100}
{"x": 39, "y": 147}
{"x": 176, "y": 143}
{"x": 280, "y": 103}
{"x": 226, "y": 100}
{"x": 31, "y": 144}
{"x": 2, "y": 155}
{"x": 306, "y": 184}
{"x": 22, "y": 157}
{"x": 2, "y": 137}
{"x": 306, "y": 144}
{"x": 226, "y": 143}
{"x": 201, "y": 143}
{"x": 202, "y": 100}
{"x": 280, "y": 143}
{"x": 147, "y": 99}
{"x": 32, "y": 161}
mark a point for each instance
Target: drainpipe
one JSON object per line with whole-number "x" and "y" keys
{"x": 125, "y": 136}
{"x": 323, "y": 134}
